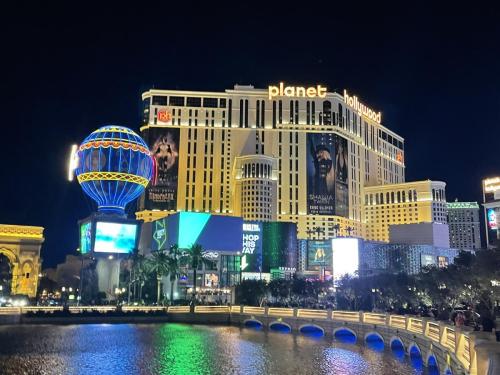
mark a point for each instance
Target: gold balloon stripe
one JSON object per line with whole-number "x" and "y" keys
{"x": 112, "y": 176}
{"x": 114, "y": 144}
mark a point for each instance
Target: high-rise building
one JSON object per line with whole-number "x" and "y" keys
{"x": 463, "y": 221}
{"x": 286, "y": 153}
{"x": 402, "y": 203}
{"x": 491, "y": 204}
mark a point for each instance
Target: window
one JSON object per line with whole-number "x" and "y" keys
{"x": 193, "y": 102}
{"x": 160, "y": 100}
{"x": 177, "y": 101}
{"x": 209, "y": 102}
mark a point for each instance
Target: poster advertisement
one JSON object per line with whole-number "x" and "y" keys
{"x": 327, "y": 169}
{"x": 161, "y": 193}
{"x": 491, "y": 218}
{"x": 319, "y": 254}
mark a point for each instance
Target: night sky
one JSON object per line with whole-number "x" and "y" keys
{"x": 434, "y": 74}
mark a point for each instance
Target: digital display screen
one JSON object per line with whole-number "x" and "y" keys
{"x": 115, "y": 237}
{"x": 251, "y": 253}
{"x": 345, "y": 257}
{"x": 85, "y": 238}
{"x": 427, "y": 260}
{"x": 319, "y": 253}
{"x": 492, "y": 218}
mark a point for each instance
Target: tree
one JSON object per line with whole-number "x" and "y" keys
{"x": 174, "y": 260}
{"x": 196, "y": 258}
{"x": 158, "y": 264}
{"x": 251, "y": 292}
{"x": 140, "y": 271}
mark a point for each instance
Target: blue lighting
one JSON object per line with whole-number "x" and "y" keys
{"x": 114, "y": 167}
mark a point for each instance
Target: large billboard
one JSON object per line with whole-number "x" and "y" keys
{"x": 327, "y": 170}
{"x": 161, "y": 192}
{"x": 251, "y": 252}
{"x": 319, "y": 254}
{"x": 213, "y": 232}
{"x": 345, "y": 257}
{"x": 115, "y": 237}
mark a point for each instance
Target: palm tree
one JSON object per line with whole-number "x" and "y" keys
{"x": 174, "y": 259}
{"x": 158, "y": 264}
{"x": 140, "y": 271}
{"x": 196, "y": 257}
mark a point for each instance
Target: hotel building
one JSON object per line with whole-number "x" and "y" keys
{"x": 463, "y": 221}
{"x": 293, "y": 154}
{"x": 491, "y": 199}
{"x": 406, "y": 203}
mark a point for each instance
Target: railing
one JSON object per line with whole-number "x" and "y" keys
{"x": 457, "y": 342}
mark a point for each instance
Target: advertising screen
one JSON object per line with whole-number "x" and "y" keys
{"x": 164, "y": 146}
{"x": 319, "y": 253}
{"x": 492, "y": 218}
{"x": 115, "y": 237}
{"x": 442, "y": 261}
{"x": 345, "y": 257}
{"x": 279, "y": 245}
{"x": 427, "y": 260}
{"x": 85, "y": 237}
{"x": 160, "y": 233}
{"x": 213, "y": 232}
{"x": 251, "y": 253}
{"x": 327, "y": 166}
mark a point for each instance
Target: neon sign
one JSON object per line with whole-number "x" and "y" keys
{"x": 361, "y": 108}
{"x": 296, "y": 91}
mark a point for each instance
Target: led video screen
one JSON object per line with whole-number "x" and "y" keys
{"x": 115, "y": 237}
{"x": 345, "y": 257}
{"x": 85, "y": 237}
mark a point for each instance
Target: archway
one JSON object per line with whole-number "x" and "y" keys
{"x": 374, "y": 341}
{"x": 5, "y": 276}
{"x": 345, "y": 335}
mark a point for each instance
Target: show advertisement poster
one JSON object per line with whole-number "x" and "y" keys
{"x": 161, "y": 193}
{"x": 319, "y": 254}
{"x": 115, "y": 237}
{"x": 327, "y": 168}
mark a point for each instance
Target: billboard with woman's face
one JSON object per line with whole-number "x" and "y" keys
{"x": 161, "y": 193}
{"x": 327, "y": 168}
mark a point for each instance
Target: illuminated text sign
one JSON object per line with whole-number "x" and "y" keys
{"x": 361, "y": 108}
{"x": 297, "y": 91}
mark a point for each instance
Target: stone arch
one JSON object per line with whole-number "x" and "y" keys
{"x": 371, "y": 335}
{"x": 415, "y": 354}
{"x": 396, "y": 342}
{"x": 280, "y": 326}
{"x": 14, "y": 263}
{"x": 311, "y": 329}
{"x": 431, "y": 361}
{"x": 253, "y": 323}
{"x": 345, "y": 334}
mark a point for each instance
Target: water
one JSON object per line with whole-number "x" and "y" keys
{"x": 181, "y": 349}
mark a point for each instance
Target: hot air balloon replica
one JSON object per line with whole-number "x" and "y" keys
{"x": 113, "y": 166}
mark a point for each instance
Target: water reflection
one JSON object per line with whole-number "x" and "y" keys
{"x": 187, "y": 349}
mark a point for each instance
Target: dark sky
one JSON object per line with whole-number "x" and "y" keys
{"x": 434, "y": 74}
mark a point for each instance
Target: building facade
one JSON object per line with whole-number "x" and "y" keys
{"x": 463, "y": 222}
{"x": 293, "y": 154}
{"x": 491, "y": 205}
{"x": 402, "y": 203}
{"x": 21, "y": 246}
{"x": 375, "y": 258}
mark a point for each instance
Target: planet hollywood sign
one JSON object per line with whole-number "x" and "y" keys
{"x": 362, "y": 109}
{"x": 319, "y": 91}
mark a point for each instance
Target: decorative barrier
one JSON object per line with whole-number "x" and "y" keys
{"x": 458, "y": 342}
